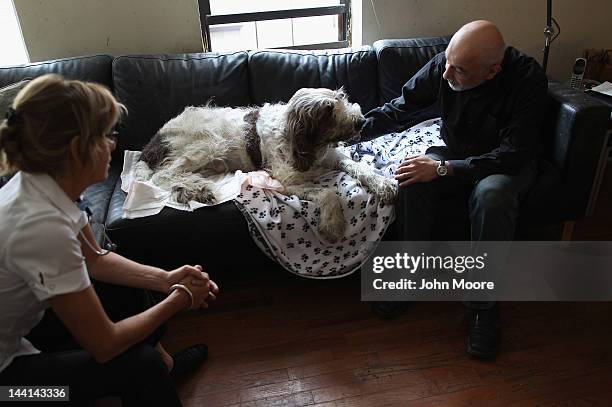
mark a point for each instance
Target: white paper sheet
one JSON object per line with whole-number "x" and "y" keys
{"x": 147, "y": 199}
{"x": 604, "y": 88}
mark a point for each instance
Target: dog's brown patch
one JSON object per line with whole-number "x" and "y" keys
{"x": 154, "y": 152}
{"x": 252, "y": 138}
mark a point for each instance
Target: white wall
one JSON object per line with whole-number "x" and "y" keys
{"x": 12, "y": 48}
{"x": 61, "y": 28}
{"x": 584, "y": 24}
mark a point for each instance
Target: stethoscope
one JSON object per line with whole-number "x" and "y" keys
{"x": 108, "y": 244}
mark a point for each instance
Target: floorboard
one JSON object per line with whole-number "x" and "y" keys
{"x": 304, "y": 343}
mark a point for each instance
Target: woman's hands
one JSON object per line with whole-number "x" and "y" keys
{"x": 203, "y": 289}
{"x": 177, "y": 275}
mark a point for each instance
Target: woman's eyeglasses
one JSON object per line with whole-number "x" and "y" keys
{"x": 112, "y": 137}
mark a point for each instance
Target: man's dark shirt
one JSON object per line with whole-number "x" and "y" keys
{"x": 494, "y": 128}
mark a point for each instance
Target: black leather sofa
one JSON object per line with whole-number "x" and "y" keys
{"x": 157, "y": 87}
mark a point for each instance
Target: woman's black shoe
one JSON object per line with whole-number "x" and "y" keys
{"x": 188, "y": 360}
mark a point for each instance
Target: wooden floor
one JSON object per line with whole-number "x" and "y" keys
{"x": 313, "y": 343}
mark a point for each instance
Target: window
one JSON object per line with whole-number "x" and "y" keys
{"x": 229, "y": 25}
{"x": 12, "y": 48}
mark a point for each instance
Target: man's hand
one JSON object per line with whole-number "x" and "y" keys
{"x": 418, "y": 168}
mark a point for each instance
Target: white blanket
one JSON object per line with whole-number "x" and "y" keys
{"x": 146, "y": 199}
{"x": 285, "y": 227}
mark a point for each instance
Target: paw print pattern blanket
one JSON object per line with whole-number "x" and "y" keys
{"x": 285, "y": 227}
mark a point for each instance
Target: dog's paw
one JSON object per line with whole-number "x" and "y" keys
{"x": 332, "y": 233}
{"x": 384, "y": 188}
{"x": 332, "y": 224}
{"x": 206, "y": 196}
{"x": 387, "y": 190}
{"x": 183, "y": 195}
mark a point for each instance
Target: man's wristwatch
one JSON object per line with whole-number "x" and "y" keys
{"x": 442, "y": 170}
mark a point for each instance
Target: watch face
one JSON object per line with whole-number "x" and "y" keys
{"x": 441, "y": 170}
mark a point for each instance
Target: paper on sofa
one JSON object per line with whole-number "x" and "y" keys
{"x": 146, "y": 199}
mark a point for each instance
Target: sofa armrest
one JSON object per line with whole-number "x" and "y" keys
{"x": 575, "y": 126}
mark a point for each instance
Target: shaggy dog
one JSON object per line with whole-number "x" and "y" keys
{"x": 293, "y": 142}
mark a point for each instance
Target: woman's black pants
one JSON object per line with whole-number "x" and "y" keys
{"x": 139, "y": 376}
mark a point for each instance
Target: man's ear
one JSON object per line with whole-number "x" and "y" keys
{"x": 493, "y": 70}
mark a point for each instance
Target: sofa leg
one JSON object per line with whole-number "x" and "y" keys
{"x": 568, "y": 230}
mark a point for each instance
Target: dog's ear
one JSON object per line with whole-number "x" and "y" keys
{"x": 306, "y": 122}
{"x": 324, "y": 119}
{"x": 340, "y": 93}
{"x": 300, "y": 133}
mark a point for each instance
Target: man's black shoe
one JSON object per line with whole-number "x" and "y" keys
{"x": 389, "y": 309}
{"x": 484, "y": 338}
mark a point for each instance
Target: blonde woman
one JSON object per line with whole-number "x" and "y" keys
{"x": 58, "y": 135}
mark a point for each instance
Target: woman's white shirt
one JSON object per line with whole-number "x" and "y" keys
{"x": 40, "y": 256}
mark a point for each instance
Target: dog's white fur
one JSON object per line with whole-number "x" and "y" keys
{"x": 297, "y": 146}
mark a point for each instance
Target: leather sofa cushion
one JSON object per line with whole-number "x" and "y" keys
{"x": 216, "y": 237}
{"x": 275, "y": 75}
{"x": 8, "y": 93}
{"x": 98, "y": 231}
{"x": 98, "y": 196}
{"x": 399, "y": 60}
{"x": 156, "y": 88}
{"x": 96, "y": 68}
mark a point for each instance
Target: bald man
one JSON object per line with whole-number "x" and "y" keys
{"x": 491, "y": 99}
